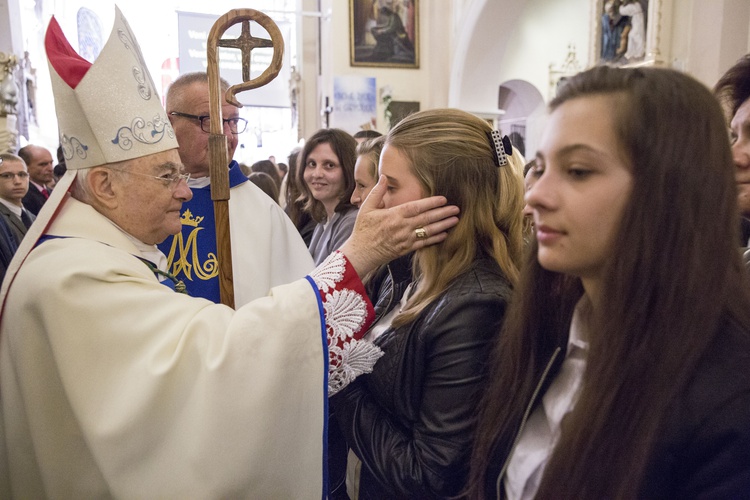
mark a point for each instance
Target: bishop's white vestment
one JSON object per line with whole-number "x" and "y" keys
{"x": 113, "y": 385}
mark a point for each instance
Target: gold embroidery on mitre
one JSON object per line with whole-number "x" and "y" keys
{"x": 183, "y": 255}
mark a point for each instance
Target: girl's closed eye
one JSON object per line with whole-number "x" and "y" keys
{"x": 579, "y": 172}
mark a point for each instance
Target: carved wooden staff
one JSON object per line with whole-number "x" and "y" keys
{"x": 217, "y": 141}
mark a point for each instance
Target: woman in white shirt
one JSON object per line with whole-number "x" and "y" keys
{"x": 622, "y": 369}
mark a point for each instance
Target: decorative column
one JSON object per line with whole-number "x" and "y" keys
{"x": 9, "y": 95}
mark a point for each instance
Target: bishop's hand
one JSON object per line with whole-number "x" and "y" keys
{"x": 381, "y": 235}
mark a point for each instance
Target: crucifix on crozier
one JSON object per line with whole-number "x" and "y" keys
{"x": 246, "y": 43}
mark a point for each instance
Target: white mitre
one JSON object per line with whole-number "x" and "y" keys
{"x": 107, "y": 112}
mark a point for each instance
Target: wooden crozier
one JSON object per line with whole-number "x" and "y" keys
{"x": 217, "y": 141}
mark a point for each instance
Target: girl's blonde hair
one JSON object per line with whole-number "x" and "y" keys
{"x": 449, "y": 151}
{"x": 370, "y": 150}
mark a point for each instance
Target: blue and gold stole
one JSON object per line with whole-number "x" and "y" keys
{"x": 191, "y": 254}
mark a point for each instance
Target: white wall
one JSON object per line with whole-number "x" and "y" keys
{"x": 501, "y": 40}
{"x": 514, "y": 39}
{"x": 708, "y": 36}
{"x": 467, "y": 47}
{"x": 428, "y": 84}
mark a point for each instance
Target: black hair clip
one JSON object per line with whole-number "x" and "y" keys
{"x": 501, "y": 147}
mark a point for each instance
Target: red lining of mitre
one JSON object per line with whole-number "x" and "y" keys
{"x": 69, "y": 65}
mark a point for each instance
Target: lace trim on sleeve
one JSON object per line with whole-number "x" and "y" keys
{"x": 347, "y": 314}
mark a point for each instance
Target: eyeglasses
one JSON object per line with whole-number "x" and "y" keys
{"x": 237, "y": 125}
{"x": 169, "y": 180}
{"x": 8, "y": 176}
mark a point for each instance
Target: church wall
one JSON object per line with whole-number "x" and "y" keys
{"x": 541, "y": 37}
{"x": 468, "y": 48}
{"x": 307, "y": 59}
{"x": 502, "y": 40}
{"x": 526, "y": 37}
{"x": 427, "y": 84}
{"x": 706, "y": 49}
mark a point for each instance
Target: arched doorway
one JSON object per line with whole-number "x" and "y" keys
{"x": 523, "y": 105}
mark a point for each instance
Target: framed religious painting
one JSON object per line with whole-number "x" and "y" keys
{"x": 627, "y": 32}
{"x": 398, "y": 110}
{"x": 384, "y": 33}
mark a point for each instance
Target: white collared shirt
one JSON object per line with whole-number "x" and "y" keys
{"x": 199, "y": 182}
{"x": 542, "y": 431}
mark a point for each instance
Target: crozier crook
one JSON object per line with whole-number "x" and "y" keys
{"x": 217, "y": 142}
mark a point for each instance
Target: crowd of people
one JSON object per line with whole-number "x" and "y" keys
{"x": 420, "y": 314}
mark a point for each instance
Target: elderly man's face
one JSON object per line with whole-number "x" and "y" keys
{"x": 40, "y": 166}
{"x": 149, "y": 208}
{"x": 740, "y": 129}
{"x": 192, "y": 139}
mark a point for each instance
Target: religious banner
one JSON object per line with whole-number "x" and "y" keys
{"x": 193, "y": 31}
{"x": 354, "y": 103}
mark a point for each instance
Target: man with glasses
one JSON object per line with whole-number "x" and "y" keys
{"x": 266, "y": 247}
{"x": 14, "y": 183}
{"x": 8, "y": 239}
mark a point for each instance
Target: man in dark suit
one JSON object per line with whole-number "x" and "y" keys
{"x": 14, "y": 183}
{"x": 8, "y": 247}
{"x": 39, "y": 162}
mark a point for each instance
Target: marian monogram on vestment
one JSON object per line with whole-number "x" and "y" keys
{"x": 184, "y": 257}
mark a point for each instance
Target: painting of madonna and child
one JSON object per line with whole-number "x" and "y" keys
{"x": 623, "y": 31}
{"x": 384, "y": 33}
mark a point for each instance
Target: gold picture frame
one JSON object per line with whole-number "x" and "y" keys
{"x": 384, "y": 33}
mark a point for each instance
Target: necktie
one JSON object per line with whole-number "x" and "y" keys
{"x": 25, "y": 219}
{"x": 45, "y": 193}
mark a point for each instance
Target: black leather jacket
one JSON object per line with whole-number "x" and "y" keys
{"x": 385, "y": 289}
{"x": 411, "y": 420}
